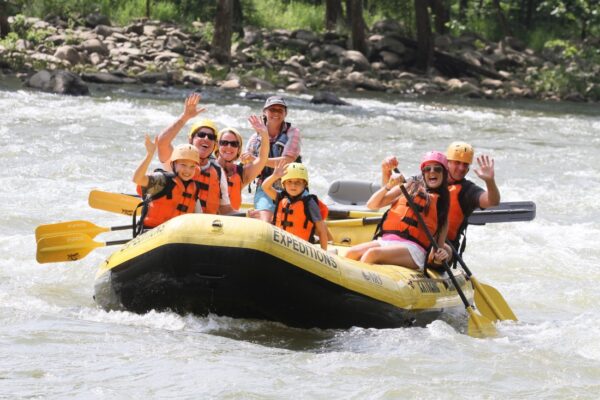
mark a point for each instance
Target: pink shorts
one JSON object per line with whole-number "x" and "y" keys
{"x": 416, "y": 251}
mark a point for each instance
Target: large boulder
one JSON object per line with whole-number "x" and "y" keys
{"x": 68, "y": 53}
{"x": 355, "y": 59}
{"x": 58, "y": 81}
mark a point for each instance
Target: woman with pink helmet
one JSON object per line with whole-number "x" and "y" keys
{"x": 400, "y": 239}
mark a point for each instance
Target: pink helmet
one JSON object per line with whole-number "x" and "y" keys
{"x": 434, "y": 156}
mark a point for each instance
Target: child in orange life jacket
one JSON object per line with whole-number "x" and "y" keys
{"x": 167, "y": 195}
{"x": 401, "y": 240}
{"x": 297, "y": 211}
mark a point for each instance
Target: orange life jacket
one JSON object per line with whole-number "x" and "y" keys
{"x": 456, "y": 217}
{"x": 175, "y": 199}
{"x": 234, "y": 186}
{"x": 209, "y": 183}
{"x": 293, "y": 216}
{"x": 402, "y": 221}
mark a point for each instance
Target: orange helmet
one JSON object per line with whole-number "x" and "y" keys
{"x": 460, "y": 151}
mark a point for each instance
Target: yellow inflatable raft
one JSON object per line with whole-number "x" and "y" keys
{"x": 245, "y": 268}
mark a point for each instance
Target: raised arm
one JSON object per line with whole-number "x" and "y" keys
{"x": 254, "y": 168}
{"x": 165, "y": 139}
{"x": 267, "y": 185}
{"x": 291, "y": 151}
{"x": 387, "y": 165}
{"x": 139, "y": 176}
{"x": 491, "y": 197}
{"x": 387, "y": 194}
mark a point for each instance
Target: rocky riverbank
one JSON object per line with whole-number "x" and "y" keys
{"x": 52, "y": 56}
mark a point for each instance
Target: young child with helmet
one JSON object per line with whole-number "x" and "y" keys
{"x": 296, "y": 210}
{"x": 400, "y": 239}
{"x": 166, "y": 194}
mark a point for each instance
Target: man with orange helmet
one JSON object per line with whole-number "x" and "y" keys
{"x": 213, "y": 196}
{"x": 465, "y": 196}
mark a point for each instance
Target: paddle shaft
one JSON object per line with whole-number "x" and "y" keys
{"x": 415, "y": 210}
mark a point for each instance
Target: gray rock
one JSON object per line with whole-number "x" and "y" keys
{"x": 252, "y": 36}
{"x": 298, "y": 87}
{"x": 230, "y": 84}
{"x": 305, "y": 35}
{"x": 95, "y": 59}
{"x": 298, "y": 45}
{"x": 174, "y": 44}
{"x": 136, "y": 28}
{"x": 258, "y": 84}
{"x": 195, "y": 78}
{"x": 68, "y": 53}
{"x": 442, "y": 42}
{"x": 515, "y": 43}
{"x": 332, "y": 50}
{"x": 492, "y": 83}
{"x": 105, "y": 77}
{"x": 104, "y": 30}
{"x": 94, "y": 46}
{"x": 471, "y": 57}
{"x": 328, "y": 98}
{"x": 154, "y": 77}
{"x": 388, "y": 43}
{"x": 390, "y": 59}
{"x": 58, "y": 81}
{"x": 385, "y": 26}
{"x": 95, "y": 19}
{"x": 355, "y": 59}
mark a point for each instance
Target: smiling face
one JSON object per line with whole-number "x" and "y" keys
{"x": 185, "y": 169}
{"x": 294, "y": 187}
{"x": 433, "y": 173}
{"x": 276, "y": 114}
{"x": 229, "y": 146}
{"x": 457, "y": 170}
{"x": 204, "y": 139}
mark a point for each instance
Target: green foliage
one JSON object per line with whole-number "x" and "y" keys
{"x": 567, "y": 49}
{"x": 10, "y": 41}
{"x": 275, "y": 14}
{"x": 217, "y": 72}
{"x": 164, "y": 11}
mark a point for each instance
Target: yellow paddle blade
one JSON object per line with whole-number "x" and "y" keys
{"x": 479, "y": 326}
{"x": 69, "y": 247}
{"x": 114, "y": 202}
{"x": 68, "y": 227}
{"x": 491, "y": 303}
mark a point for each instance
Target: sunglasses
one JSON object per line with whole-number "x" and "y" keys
{"x": 202, "y": 135}
{"x": 432, "y": 168}
{"x": 235, "y": 144}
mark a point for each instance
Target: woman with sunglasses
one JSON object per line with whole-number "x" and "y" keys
{"x": 229, "y": 150}
{"x": 213, "y": 196}
{"x": 400, "y": 239}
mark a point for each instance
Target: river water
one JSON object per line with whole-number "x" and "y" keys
{"x": 56, "y": 343}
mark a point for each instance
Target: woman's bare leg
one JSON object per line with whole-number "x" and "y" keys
{"x": 395, "y": 255}
{"x": 355, "y": 252}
